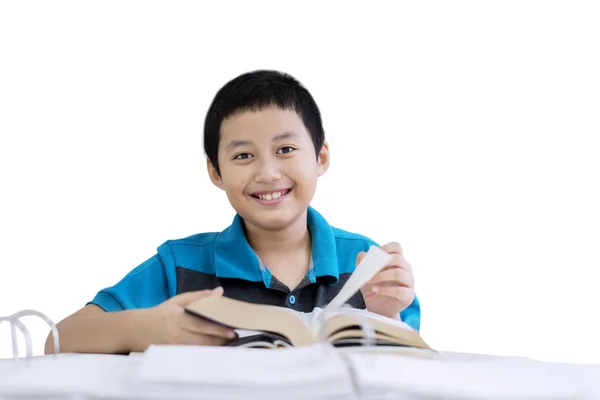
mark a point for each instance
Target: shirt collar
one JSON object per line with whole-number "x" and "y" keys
{"x": 234, "y": 258}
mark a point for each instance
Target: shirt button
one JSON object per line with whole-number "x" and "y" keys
{"x": 292, "y": 299}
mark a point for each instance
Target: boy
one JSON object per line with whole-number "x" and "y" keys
{"x": 265, "y": 149}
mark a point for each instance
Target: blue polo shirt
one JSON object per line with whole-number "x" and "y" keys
{"x": 208, "y": 260}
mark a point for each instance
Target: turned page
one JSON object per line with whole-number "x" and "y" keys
{"x": 373, "y": 262}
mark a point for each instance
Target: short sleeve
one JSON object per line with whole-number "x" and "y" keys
{"x": 144, "y": 287}
{"x": 412, "y": 314}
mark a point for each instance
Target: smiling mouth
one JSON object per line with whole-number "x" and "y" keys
{"x": 271, "y": 195}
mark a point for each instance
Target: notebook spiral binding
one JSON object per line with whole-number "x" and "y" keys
{"x": 15, "y": 323}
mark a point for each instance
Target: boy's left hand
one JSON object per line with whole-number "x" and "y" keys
{"x": 391, "y": 290}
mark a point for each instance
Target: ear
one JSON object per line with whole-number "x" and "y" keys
{"x": 214, "y": 175}
{"x": 323, "y": 159}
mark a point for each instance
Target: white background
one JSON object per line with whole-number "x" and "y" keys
{"x": 467, "y": 131}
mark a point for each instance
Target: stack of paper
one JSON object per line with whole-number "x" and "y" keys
{"x": 502, "y": 378}
{"x": 230, "y": 372}
{"x": 312, "y": 372}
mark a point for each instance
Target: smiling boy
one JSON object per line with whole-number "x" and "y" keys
{"x": 266, "y": 149}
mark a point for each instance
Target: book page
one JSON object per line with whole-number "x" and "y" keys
{"x": 370, "y": 323}
{"x": 373, "y": 262}
{"x": 254, "y": 317}
{"x": 357, "y": 312}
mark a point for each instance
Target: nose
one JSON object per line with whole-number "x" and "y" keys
{"x": 268, "y": 171}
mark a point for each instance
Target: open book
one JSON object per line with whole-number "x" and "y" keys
{"x": 272, "y": 326}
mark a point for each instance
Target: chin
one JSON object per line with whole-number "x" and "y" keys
{"x": 273, "y": 220}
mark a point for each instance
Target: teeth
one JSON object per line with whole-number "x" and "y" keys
{"x": 270, "y": 196}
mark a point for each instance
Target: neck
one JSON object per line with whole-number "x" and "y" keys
{"x": 293, "y": 238}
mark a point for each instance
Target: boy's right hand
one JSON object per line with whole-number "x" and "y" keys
{"x": 168, "y": 323}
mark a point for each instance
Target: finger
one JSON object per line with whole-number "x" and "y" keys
{"x": 398, "y": 261}
{"x": 393, "y": 277}
{"x": 402, "y": 294}
{"x": 360, "y": 256}
{"x": 198, "y": 325}
{"x": 188, "y": 297}
{"x": 392, "y": 248}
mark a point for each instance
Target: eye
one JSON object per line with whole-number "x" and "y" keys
{"x": 286, "y": 149}
{"x": 242, "y": 156}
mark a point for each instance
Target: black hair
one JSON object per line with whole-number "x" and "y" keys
{"x": 255, "y": 91}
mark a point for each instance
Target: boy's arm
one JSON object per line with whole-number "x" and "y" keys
{"x": 115, "y": 315}
{"x": 93, "y": 330}
{"x": 411, "y": 315}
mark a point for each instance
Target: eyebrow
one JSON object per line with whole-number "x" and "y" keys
{"x": 234, "y": 144}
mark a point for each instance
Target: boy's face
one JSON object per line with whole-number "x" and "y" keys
{"x": 268, "y": 167}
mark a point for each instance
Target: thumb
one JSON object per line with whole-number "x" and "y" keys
{"x": 184, "y": 299}
{"x": 360, "y": 256}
